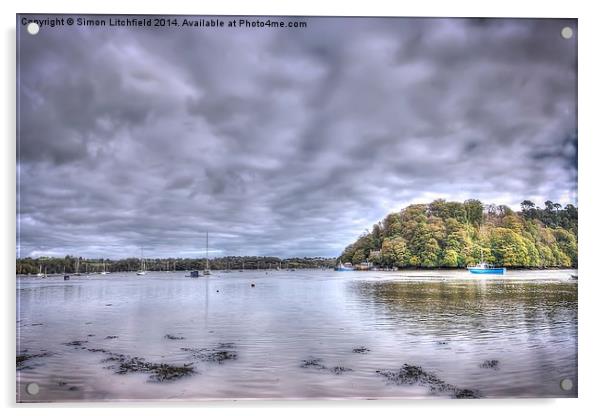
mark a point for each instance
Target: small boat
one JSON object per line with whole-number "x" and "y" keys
{"x": 344, "y": 267}
{"x": 485, "y": 268}
{"x": 193, "y": 274}
{"x": 104, "y": 268}
{"x": 142, "y": 270}
{"x": 65, "y": 275}
{"x": 206, "y": 271}
{"x": 40, "y": 274}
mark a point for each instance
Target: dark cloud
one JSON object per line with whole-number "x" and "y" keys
{"x": 284, "y": 142}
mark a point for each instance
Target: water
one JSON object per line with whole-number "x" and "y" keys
{"x": 447, "y": 322}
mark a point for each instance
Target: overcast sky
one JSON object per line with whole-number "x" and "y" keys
{"x": 284, "y": 142}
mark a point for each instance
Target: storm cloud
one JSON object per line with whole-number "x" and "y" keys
{"x": 285, "y": 142}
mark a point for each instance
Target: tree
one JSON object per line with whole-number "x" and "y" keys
{"x": 452, "y": 234}
{"x": 526, "y": 205}
{"x": 395, "y": 252}
{"x": 450, "y": 258}
{"x": 358, "y": 257}
{"x": 474, "y": 211}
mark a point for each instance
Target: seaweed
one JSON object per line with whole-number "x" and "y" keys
{"x": 172, "y": 337}
{"x": 222, "y": 352}
{"x": 159, "y": 372}
{"x": 493, "y": 364}
{"x": 361, "y": 350}
{"x": 23, "y": 358}
{"x": 317, "y": 364}
{"x": 415, "y": 375}
{"x": 313, "y": 363}
{"x": 338, "y": 370}
{"x": 76, "y": 343}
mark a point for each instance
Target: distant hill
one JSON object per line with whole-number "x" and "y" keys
{"x": 452, "y": 234}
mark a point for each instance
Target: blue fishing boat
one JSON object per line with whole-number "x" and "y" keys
{"x": 485, "y": 268}
{"x": 347, "y": 267}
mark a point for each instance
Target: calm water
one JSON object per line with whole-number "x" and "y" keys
{"x": 446, "y": 322}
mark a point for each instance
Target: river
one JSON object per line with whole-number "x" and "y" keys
{"x": 296, "y": 334}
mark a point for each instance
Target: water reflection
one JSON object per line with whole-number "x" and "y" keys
{"x": 360, "y": 322}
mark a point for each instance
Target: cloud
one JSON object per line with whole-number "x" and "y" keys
{"x": 284, "y": 142}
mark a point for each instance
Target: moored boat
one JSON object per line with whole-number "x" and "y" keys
{"x": 206, "y": 271}
{"x": 485, "y": 268}
{"x": 344, "y": 267}
{"x": 142, "y": 271}
{"x": 40, "y": 274}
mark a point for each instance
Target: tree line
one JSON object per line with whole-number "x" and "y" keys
{"x": 69, "y": 264}
{"x": 454, "y": 234}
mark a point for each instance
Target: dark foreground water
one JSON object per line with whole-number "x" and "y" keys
{"x": 302, "y": 334}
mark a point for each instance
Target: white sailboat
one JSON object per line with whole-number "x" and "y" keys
{"x": 206, "y": 272}
{"x": 65, "y": 275}
{"x": 142, "y": 271}
{"x": 77, "y": 267}
{"x": 40, "y": 274}
{"x": 104, "y": 268}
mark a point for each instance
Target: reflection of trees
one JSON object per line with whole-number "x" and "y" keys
{"x": 474, "y": 308}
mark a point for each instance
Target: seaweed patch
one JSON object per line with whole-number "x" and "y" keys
{"x": 493, "y": 364}
{"x": 23, "y": 359}
{"x": 222, "y": 352}
{"x": 415, "y": 375}
{"x": 159, "y": 372}
{"x": 313, "y": 363}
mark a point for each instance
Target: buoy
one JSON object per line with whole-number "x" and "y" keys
{"x": 252, "y": 284}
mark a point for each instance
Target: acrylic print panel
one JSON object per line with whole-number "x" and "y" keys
{"x": 227, "y": 207}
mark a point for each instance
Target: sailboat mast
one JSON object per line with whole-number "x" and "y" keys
{"x": 207, "y": 250}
